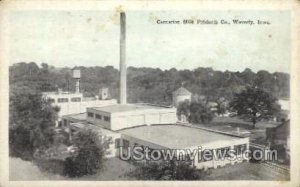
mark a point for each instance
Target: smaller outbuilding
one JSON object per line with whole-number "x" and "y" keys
{"x": 181, "y": 95}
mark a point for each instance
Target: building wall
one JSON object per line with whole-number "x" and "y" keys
{"x": 221, "y": 144}
{"x": 132, "y": 141}
{"x": 167, "y": 118}
{"x": 68, "y": 108}
{"x": 152, "y": 118}
{"x": 199, "y": 164}
{"x": 77, "y": 106}
{"x": 127, "y": 120}
{"x": 80, "y": 107}
{"x": 100, "y": 122}
{"x": 285, "y": 104}
{"x": 134, "y": 118}
{"x": 180, "y": 98}
{"x": 96, "y": 103}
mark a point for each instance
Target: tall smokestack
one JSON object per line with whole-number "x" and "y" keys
{"x": 123, "y": 95}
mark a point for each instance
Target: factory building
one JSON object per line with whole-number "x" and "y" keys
{"x": 74, "y": 102}
{"x": 128, "y": 125}
{"x": 68, "y": 103}
{"x": 181, "y": 137}
{"x": 162, "y": 137}
{"x": 121, "y": 116}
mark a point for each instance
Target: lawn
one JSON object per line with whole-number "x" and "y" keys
{"x": 233, "y": 125}
{"x": 246, "y": 171}
{"x": 114, "y": 169}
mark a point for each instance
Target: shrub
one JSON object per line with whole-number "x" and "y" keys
{"x": 89, "y": 156}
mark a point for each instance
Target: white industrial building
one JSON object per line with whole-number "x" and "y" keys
{"x": 120, "y": 116}
{"x": 74, "y": 102}
{"x": 149, "y": 125}
{"x": 183, "y": 137}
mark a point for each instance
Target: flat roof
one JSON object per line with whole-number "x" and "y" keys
{"x": 61, "y": 93}
{"x": 127, "y": 107}
{"x": 80, "y": 116}
{"x": 175, "y": 136}
{"x": 94, "y": 128}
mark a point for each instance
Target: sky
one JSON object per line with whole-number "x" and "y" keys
{"x": 91, "y": 38}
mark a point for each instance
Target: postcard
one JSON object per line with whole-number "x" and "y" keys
{"x": 142, "y": 93}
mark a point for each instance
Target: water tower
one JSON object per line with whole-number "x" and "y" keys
{"x": 77, "y": 76}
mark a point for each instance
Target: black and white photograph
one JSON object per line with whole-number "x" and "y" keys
{"x": 123, "y": 94}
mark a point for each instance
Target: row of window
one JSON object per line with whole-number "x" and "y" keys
{"x": 224, "y": 151}
{"x": 98, "y": 116}
{"x": 65, "y": 100}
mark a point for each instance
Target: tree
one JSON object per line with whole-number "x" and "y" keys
{"x": 221, "y": 105}
{"x": 31, "y": 121}
{"x": 89, "y": 156}
{"x": 197, "y": 111}
{"x": 201, "y": 112}
{"x": 255, "y": 104}
{"x": 183, "y": 109}
{"x": 167, "y": 170}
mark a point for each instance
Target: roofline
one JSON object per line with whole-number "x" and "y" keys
{"x": 157, "y": 107}
{"x": 180, "y": 124}
{"x": 68, "y": 115}
{"x": 212, "y": 130}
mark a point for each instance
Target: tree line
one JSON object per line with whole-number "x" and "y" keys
{"x": 149, "y": 85}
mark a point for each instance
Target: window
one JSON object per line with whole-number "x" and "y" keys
{"x": 223, "y": 151}
{"x": 62, "y": 100}
{"x": 51, "y": 100}
{"x": 150, "y": 151}
{"x": 239, "y": 149}
{"x": 76, "y": 99}
{"x": 90, "y": 114}
{"x": 117, "y": 143}
{"x": 98, "y": 116}
{"x": 106, "y": 118}
{"x": 125, "y": 143}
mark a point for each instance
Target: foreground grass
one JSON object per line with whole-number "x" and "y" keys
{"x": 246, "y": 171}
{"x": 114, "y": 169}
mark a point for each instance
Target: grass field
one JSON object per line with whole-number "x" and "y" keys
{"x": 114, "y": 169}
{"x": 232, "y": 124}
{"x": 246, "y": 171}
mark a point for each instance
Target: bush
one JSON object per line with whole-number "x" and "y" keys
{"x": 167, "y": 170}
{"x": 89, "y": 156}
{"x": 31, "y": 122}
{"x": 196, "y": 111}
